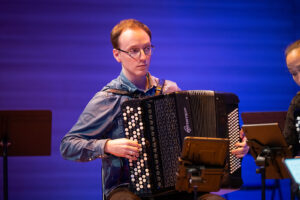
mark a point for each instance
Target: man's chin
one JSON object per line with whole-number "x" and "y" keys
{"x": 141, "y": 73}
{"x": 142, "y": 70}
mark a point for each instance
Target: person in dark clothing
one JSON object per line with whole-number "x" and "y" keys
{"x": 291, "y": 132}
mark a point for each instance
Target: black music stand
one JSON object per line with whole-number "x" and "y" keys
{"x": 264, "y": 117}
{"x": 268, "y": 147}
{"x": 23, "y": 133}
{"x": 201, "y": 165}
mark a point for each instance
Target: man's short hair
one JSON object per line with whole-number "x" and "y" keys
{"x": 291, "y": 47}
{"x": 124, "y": 25}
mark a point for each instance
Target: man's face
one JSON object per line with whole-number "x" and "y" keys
{"x": 293, "y": 64}
{"x": 133, "y": 40}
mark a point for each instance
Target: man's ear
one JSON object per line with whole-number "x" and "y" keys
{"x": 116, "y": 54}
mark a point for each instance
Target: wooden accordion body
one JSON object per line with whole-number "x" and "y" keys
{"x": 160, "y": 124}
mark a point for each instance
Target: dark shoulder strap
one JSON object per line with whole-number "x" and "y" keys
{"x": 160, "y": 87}
{"x": 117, "y": 91}
{"x": 123, "y": 92}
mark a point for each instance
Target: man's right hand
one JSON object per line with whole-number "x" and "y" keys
{"x": 123, "y": 148}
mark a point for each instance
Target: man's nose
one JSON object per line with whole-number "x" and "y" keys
{"x": 298, "y": 78}
{"x": 143, "y": 55}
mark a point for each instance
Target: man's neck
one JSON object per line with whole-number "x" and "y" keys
{"x": 139, "y": 82}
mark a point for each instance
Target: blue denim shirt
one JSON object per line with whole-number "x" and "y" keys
{"x": 102, "y": 120}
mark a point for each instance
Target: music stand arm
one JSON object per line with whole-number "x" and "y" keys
{"x": 194, "y": 172}
{"x": 263, "y": 155}
{"x": 5, "y": 144}
{"x": 263, "y": 158}
{"x": 262, "y": 161}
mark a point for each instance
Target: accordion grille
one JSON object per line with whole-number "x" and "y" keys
{"x": 168, "y": 137}
{"x": 233, "y": 135}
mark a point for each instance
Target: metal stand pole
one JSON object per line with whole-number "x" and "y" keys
{"x": 263, "y": 182}
{"x": 195, "y": 193}
{"x": 5, "y": 171}
{"x": 262, "y": 162}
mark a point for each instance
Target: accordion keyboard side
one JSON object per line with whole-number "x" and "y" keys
{"x": 227, "y": 111}
{"x": 234, "y": 137}
{"x": 153, "y": 124}
{"x": 134, "y": 128}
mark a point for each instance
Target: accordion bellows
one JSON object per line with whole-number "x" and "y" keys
{"x": 160, "y": 124}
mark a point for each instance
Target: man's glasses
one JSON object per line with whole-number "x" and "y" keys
{"x": 136, "y": 52}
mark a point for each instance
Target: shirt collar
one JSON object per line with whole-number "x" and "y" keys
{"x": 128, "y": 85}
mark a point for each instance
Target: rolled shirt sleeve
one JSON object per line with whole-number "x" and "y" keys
{"x": 98, "y": 122}
{"x": 170, "y": 86}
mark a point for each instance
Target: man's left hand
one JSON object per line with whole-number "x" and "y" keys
{"x": 242, "y": 147}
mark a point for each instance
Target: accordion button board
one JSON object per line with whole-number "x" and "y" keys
{"x": 160, "y": 123}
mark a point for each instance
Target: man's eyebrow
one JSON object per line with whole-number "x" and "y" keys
{"x": 138, "y": 46}
{"x": 293, "y": 69}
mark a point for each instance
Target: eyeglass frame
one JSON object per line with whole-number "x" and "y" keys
{"x": 130, "y": 53}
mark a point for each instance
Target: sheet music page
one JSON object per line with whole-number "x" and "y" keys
{"x": 293, "y": 166}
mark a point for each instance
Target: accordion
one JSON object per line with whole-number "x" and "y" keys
{"x": 160, "y": 124}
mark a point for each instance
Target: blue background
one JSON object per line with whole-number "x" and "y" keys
{"x": 57, "y": 54}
